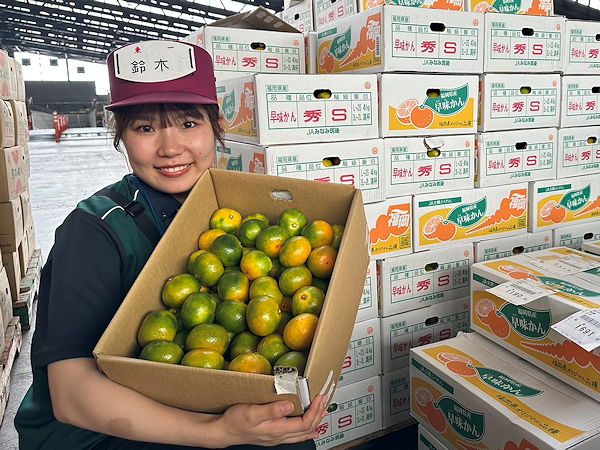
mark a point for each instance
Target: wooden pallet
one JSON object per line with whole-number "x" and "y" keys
{"x": 29, "y": 290}
{"x": 12, "y": 348}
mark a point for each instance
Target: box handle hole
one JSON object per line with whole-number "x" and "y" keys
{"x": 332, "y": 407}
{"x": 433, "y": 93}
{"x": 518, "y": 250}
{"x": 296, "y": 16}
{"x": 432, "y": 321}
{"x": 437, "y": 27}
{"x": 527, "y": 31}
{"x": 592, "y": 140}
{"x": 258, "y": 46}
{"x": 322, "y": 93}
{"x": 431, "y": 266}
{"x": 521, "y": 145}
{"x": 331, "y": 161}
{"x": 525, "y": 90}
{"x": 282, "y": 195}
{"x": 596, "y": 89}
{"x": 588, "y": 236}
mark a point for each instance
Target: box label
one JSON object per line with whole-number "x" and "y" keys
{"x": 583, "y": 154}
{"x": 231, "y": 56}
{"x": 571, "y": 206}
{"x": 523, "y": 108}
{"x": 512, "y": 44}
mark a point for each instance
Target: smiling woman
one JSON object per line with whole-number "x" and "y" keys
{"x": 167, "y": 118}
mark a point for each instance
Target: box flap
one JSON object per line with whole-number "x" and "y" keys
{"x": 258, "y": 19}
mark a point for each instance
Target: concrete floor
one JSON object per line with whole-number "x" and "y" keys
{"x": 61, "y": 175}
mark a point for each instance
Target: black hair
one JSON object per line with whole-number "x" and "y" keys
{"x": 125, "y": 115}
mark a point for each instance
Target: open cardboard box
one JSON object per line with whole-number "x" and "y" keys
{"x": 213, "y": 391}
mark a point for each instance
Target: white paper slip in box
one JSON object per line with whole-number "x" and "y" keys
{"x": 515, "y": 101}
{"x": 401, "y": 332}
{"x": 505, "y": 157}
{"x": 516, "y": 43}
{"x": 580, "y": 104}
{"x": 269, "y": 109}
{"x": 578, "y": 151}
{"x": 582, "y": 48}
{"x": 504, "y": 247}
{"x": 422, "y": 279}
{"x": 360, "y": 165}
{"x": 433, "y": 164}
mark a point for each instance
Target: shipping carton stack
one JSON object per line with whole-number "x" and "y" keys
{"x": 17, "y": 233}
{"x": 13, "y": 183}
{"x": 428, "y": 124}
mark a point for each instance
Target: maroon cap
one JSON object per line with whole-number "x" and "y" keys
{"x": 160, "y": 71}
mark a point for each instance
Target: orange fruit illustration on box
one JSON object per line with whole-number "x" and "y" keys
{"x": 435, "y": 228}
{"x": 403, "y": 111}
{"x": 553, "y": 212}
{"x": 484, "y": 309}
{"x": 518, "y": 273}
{"x": 488, "y": 315}
{"x": 326, "y": 60}
{"x": 482, "y": 7}
{"x": 425, "y": 403}
{"x": 422, "y": 117}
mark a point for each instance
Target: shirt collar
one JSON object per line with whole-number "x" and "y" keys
{"x": 165, "y": 205}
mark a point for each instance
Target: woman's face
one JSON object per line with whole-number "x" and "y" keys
{"x": 170, "y": 158}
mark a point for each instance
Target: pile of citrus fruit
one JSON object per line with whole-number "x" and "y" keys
{"x": 251, "y": 297}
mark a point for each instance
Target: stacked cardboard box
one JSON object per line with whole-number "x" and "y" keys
{"x": 528, "y": 349}
{"x": 17, "y": 232}
{"x": 469, "y": 110}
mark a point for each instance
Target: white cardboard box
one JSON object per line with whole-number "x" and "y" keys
{"x": 528, "y": 7}
{"x": 580, "y": 104}
{"x": 5, "y": 301}
{"x": 11, "y": 225}
{"x": 427, "y": 441}
{"x": 6, "y": 87}
{"x": 505, "y": 157}
{"x": 256, "y": 42}
{"x": 363, "y": 359}
{"x": 435, "y": 164}
{"x": 592, "y": 247}
{"x": 578, "y": 151}
{"x": 390, "y": 227}
{"x": 354, "y": 412}
{"x": 368, "y": 308}
{"x": 562, "y": 202}
{"x": 300, "y": 16}
{"x": 441, "y": 220}
{"x": 519, "y": 101}
{"x": 425, "y": 278}
{"x": 526, "y": 329}
{"x": 270, "y": 109}
{"x": 503, "y": 247}
{"x": 517, "y": 43}
{"x": 360, "y": 165}
{"x": 327, "y": 12}
{"x": 428, "y": 105}
{"x": 13, "y": 172}
{"x": 574, "y": 236}
{"x": 395, "y": 391}
{"x": 473, "y": 394}
{"x": 582, "y": 48}
{"x": 401, "y": 332}
{"x": 393, "y": 38}
{"x": 7, "y": 125}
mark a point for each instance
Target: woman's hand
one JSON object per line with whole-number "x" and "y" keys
{"x": 268, "y": 425}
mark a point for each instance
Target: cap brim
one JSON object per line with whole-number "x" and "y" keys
{"x": 163, "y": 97}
